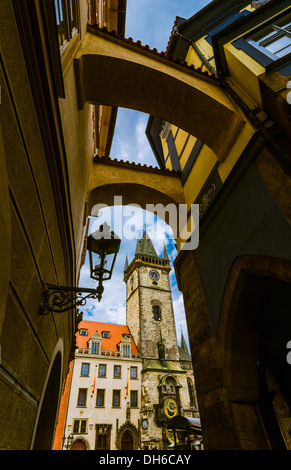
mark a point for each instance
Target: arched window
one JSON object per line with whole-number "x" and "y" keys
{"x": 157, "y": 311}
{"x": 191, "y": 392}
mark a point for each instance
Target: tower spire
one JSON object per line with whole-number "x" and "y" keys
{"x": 126, "y": 263}
{"x": 166, "y": 256}
{"x": 183, "y": 343}
{"x": 145, "y": 246}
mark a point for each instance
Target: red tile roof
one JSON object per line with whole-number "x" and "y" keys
{"x": 107, "y": 344}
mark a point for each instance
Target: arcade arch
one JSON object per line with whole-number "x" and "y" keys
{"x": 137, "y": 78}
{"x": 255, "y": 328}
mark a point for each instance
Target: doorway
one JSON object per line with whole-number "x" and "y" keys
{"x": 127, "y": 441}
{"x": 79, "y": 445}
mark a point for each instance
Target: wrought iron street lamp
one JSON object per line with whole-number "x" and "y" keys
{"x": 103, "y": 246}
{"x": 68, "y": 442}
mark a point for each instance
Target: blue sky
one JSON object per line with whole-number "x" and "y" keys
{"x": 151, "y": 22}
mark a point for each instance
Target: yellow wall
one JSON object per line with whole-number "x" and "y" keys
{"x": 244, "y": 72}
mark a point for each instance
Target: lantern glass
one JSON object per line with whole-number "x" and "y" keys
{"x": 103, "y": 246}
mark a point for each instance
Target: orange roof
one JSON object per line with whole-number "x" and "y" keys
{"x": 107, "y": 344}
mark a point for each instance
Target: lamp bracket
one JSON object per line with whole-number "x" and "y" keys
{"x": 59, "y": 299}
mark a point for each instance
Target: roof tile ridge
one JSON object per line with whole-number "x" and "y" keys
{"x": 96, "y": 158}
{"x": 154, "y": 51}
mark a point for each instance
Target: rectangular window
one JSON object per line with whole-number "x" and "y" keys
{"x": 66, "y": 16}
{"x": 157, "y": 312}
{"x": 103, "y": 433}
{"x": 83, "y": 332}
{"x": 100, "y": 397}
{"x": 116, "y": 398}
{"x": 82, "y": 397}
{"x": 117, "y": 372}
{"x": 133, "y": 372}
{"x": 80, "y": 426}
{"x": 126, "y": 350}
{"x": 83, "y": 425}
{"x": 274, "y": 39}
{"x": 133, "y": 398}
{"x": 268, "y": 43}
{"x": 102, "y": 370}
{"x": 95, "y": 347}
{"x": 76, "y": 425}
{"x": 85, "y": 369}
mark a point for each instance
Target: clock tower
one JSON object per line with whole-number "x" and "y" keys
{"x": 165, "y": 378}
{"x": 149, "y": 308}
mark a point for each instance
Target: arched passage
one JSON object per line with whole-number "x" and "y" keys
{"x": 119, "y": 183}
{"x": 79, "y": 444}
{"x": 113, "y": 71}
{"x": 45, "y": 424}
{"x": 255, "y": 328}
{"x": 127, "y": 438}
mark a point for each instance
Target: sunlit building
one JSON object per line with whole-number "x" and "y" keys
{"x": 127, "y": 381}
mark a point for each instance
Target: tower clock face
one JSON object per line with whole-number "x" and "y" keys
{"x": 154, "y": 275}
{"x": 170, "y": 407}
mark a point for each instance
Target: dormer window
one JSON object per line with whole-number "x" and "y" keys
{"x": 126, "y": 350}
{"x": 94, "y": 343}
{"x": 83, "y": 332}
{"x": 95, "y": 347}
{"x": 125, "y": 345}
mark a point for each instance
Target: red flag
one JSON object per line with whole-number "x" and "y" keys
{"x": 93, "y": 386}
{"x": 127, "y": 383}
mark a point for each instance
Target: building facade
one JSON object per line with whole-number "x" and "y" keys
{"x": 103, "y": 404}
{"x": 127, "y": 381}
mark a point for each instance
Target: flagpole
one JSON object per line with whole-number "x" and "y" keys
{"x": 127, "y": 383}
{"x": 93, "y": 386}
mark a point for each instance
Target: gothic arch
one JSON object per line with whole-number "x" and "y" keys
{"x": 169, "y": 376}
{"x": 128, "y": 429}
{"x": 80, "y": 444}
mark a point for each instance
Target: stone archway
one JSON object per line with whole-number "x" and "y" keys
{"x": 127, "y": 437}
{"x": 158, "y": 191}
{"x": 254, "y": 330}
{"x": 47, "y": 413}
{"x": 79, "y": 444}
{"x": 114, "y": 71}
{"x": 232, "y": 389}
